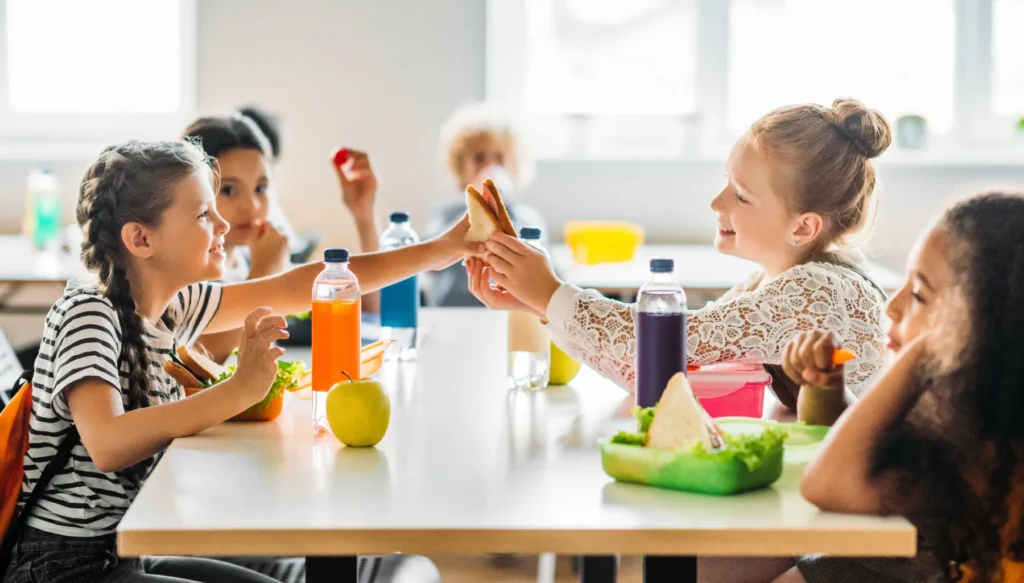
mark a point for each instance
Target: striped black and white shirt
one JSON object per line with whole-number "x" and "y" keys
{"x": 82, "y": 339}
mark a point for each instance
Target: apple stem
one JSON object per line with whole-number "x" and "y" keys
{"x": 350, "y": 379}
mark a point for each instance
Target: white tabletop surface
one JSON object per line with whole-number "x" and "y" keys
{"x": 466, "y": 467}
{"x": 23, "y": 263}
{"x": 697, "y": 267}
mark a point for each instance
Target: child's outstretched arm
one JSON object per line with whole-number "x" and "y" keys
{"x": 116, "y": 439}
{"x": 840, "y": 479}
{"x": 291, "y": 291}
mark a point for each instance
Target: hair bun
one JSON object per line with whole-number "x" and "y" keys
{"x": 866, "y": 128}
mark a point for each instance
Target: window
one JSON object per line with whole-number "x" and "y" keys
{"x": 672, "y": 78}
{"x": 96, "y": 69}
{"x": 895, "y": 55}
{"x": 1007, "y": 57}
{"x": 608, "y": 57}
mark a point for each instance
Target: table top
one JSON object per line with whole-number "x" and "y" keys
{"x": 697, "y": 267}
{"x": 24, "y": 263}
{"x": 466, "y": 467}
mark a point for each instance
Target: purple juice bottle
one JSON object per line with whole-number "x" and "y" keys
{"x": 660, "y": 333}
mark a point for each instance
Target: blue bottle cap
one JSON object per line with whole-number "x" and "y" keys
{"x": 336, "y": 255}
{"x": 662, "y": 265}
{"x": 399, "y": 217}
{"x": 529, "y": 233}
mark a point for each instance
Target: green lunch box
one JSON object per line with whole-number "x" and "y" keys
{"x": 718, "y": 474}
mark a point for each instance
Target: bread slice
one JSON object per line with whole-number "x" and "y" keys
{"x": 680, "y": 422}
{"x": 504, "y": 220}
{"x": 482, "y": 219}
{"x": 181, "y": 374}
{"x": 200, "y": 365}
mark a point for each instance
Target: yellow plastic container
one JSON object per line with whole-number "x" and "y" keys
{"x": 594, "y": 242}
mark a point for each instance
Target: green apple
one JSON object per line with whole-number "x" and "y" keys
{"x": 359, "y": 412}
{"x": 563, "y": 368}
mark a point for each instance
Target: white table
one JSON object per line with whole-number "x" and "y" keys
{"x": 701, "y": 270}
{"x": 467, "y": 467}
{"x": 23, "y": 265}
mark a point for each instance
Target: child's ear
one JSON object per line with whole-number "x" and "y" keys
{"x": 136, "y": 240}
{"x": 808, "y": 227}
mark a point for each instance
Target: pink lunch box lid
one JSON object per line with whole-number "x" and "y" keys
{"x": 718, "y": 380}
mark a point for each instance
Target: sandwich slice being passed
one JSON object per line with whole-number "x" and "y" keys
{"x": 483, "y": 220}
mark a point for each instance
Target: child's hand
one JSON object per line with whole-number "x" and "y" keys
{"x": 807, "y": 360}
{"x": 522, "y": 270}
{"x": 257, "y": 354}
{"x": 451, "y": 246}
{"x": 494, "y": 298}
{"x": 358, "y": 185}
{"x": 269, "y": 254}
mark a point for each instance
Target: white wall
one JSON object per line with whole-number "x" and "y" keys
{"x": 383, "y": 74}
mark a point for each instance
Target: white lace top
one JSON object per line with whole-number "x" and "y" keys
{"x": 750, "y": 323}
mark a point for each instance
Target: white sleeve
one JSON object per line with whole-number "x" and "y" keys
{"x": 596, "y": 331}
{"x": 751, "y": 326}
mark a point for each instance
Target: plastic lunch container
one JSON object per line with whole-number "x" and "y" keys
{"x": 719, "y": 475}
{"x": 730, "y": 389}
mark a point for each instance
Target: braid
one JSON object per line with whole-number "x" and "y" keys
{"x": 128, "y": 183}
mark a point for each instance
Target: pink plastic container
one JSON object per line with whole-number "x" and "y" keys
{"x": 731, "y": 389}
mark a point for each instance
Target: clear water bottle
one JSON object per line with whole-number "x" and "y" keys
{"x": 400, "y": 302}
{"x": 529, "y": 345}
{"x": 336, "y": 331}
{"x": 43, "y": 209}
{"x": 660, "y": 333}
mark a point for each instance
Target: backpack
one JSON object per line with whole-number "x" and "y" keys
{"x": 14, "y": 421}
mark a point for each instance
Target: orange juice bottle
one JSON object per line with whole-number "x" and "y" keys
{"x": 336, "y": 333}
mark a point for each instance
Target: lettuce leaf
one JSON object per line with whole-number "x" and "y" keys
{"x": 629, "y": 438}
{"x": 750, "y": 449}
{"x": 644, "y": 416}
{"x": 288, "y": 374}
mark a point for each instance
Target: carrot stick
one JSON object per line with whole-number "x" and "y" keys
{"x": 842, "y": 356}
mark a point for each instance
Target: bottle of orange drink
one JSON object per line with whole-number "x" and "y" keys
{"x": 336, "y": 331}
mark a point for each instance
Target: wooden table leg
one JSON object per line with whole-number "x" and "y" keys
{"x": 670, "y": 569}
{"x": 332, "y": 570}
{"x": 598, "y": 569}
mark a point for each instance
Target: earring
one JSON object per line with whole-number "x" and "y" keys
{"x": 796, "y": 242}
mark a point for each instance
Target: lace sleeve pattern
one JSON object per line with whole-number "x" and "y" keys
{"x": 748, "y": 326}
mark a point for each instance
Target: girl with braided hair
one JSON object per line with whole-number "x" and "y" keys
{"x": 153, "y": 238}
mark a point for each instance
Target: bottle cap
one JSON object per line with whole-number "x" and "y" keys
{"x": 529, "y": 233}
{"x": 335, "y": 255}
{"x": 399, "y": 217}
{"x": 662, "y": 265}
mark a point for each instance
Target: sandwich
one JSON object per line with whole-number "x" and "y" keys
{"x": 195, "y": 371}
{"x": 191, "y": 368}
{"x": 483, "y": 218}
{"x": 680, "y": 422}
